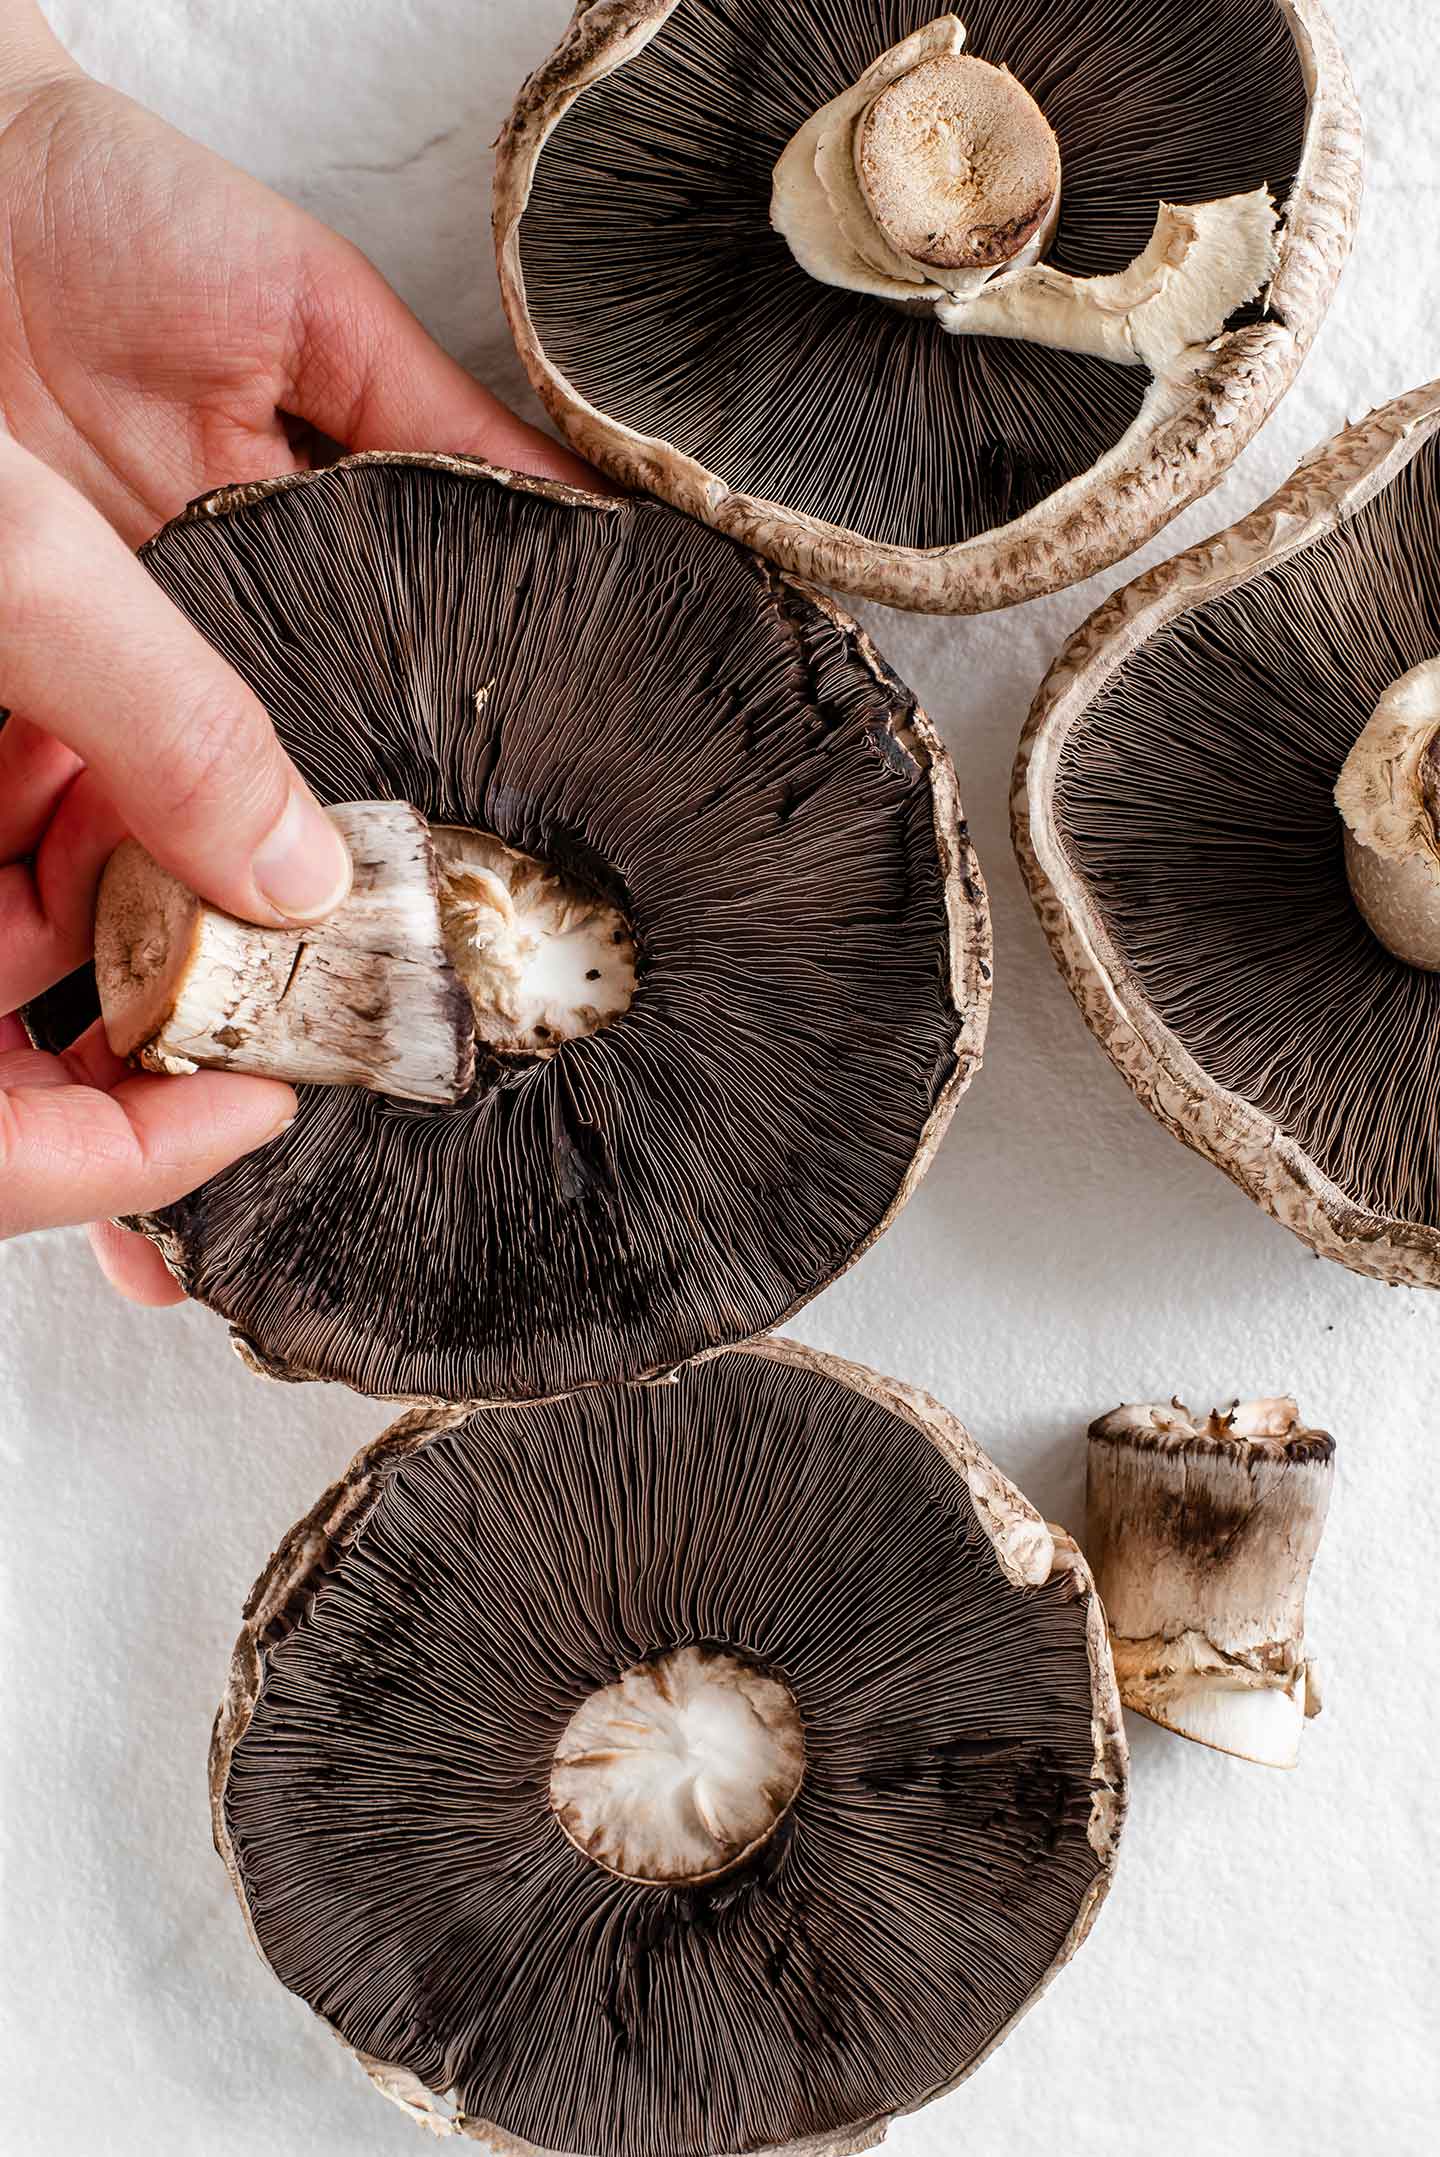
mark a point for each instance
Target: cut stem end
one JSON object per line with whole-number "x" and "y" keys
{"x": 958, "y": 165}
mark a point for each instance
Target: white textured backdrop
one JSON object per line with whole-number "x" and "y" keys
{"x": 1265, "y": 1979}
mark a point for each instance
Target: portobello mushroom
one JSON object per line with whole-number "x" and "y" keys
{"x": 665, "y": 1771}
{"x": 1242, "y": 943}
{"x": 594, "y": 697}
{"x": 949, "y": 313}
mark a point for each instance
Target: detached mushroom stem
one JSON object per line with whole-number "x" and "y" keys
{"x": 1201, "y": 1536}
{"x": 367, "y": 997}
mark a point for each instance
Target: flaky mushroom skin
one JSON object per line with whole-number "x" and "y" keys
{"x": 967, "y": 960}
{"x": 1178, "y": 451}
{"x": 1250, "y": 1146}
{"x": 1028, "y": 1550}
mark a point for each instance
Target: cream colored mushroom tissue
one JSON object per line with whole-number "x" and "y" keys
{"x": 1263, "y": 1979}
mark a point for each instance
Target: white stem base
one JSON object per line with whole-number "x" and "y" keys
{"x": 1253, "y": 1708}
{"x": 448, "y": 936}
{"x": 1260, "y": 1726}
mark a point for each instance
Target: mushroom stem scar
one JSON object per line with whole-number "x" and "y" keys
{"x": 1202, "y": 1536}
{"x": 681, "y": 1769}
{"x": 1389, "y": 796}
{"x": 542, "y": 960}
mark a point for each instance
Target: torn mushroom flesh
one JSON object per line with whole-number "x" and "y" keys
{"x": 543, "y": 960}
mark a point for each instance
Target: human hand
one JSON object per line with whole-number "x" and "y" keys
{"x": 131, "y": 722}
{"x": 166, "y": 325}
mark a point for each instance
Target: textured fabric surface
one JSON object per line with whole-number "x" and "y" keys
{"x": 1263, "y": 1976}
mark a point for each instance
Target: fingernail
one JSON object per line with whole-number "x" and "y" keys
{"x": 302, "y": 869}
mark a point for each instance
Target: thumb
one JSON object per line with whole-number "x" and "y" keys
{"x": 367, "y": 373}
{"x": 92, "y": 652}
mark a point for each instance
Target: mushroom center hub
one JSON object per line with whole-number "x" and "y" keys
{"x": 681, "y": 1769}
{"x": 957, "y": 163}
{"x": 543, "y": 960}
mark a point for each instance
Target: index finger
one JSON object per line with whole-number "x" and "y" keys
{"x": 93, "y": 653}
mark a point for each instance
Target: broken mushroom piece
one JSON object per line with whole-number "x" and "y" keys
{"x": 447, "y": 938}
{"x": 672, "y": 1770}
{"x": 1252, "y": 956}
{"x": 368, "y": 997}
{"x": 947, "y": 310}
{"x": 703, "y": 871}
{"x": 1202, "y": 1535}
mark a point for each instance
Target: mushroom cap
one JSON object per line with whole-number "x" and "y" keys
{"x": 608, "y": 687}
{"x": 416, "y": 1649}
{"x": 1174, "y": 816}
{"x": 676, "y": 341}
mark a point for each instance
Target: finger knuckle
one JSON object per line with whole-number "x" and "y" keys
{"x": 9, "y": 1145}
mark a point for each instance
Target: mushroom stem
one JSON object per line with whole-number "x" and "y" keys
{"x": 448, "y": 936}
{"x": 367, "y": 997}
{"x": 1389, "y": 795}
{"x": 930, "y": 176}
{"x": 1202, "y": 1537}
{"x": 959, "y": 167}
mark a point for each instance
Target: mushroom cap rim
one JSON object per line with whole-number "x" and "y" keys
{"x": 1274, "y": 1169}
